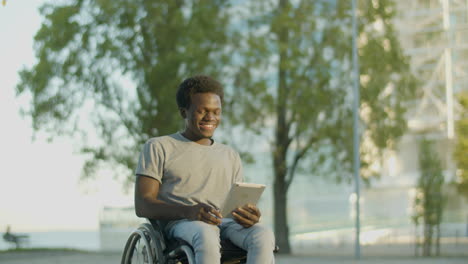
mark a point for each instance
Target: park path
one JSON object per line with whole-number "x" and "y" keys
{"x": 52, "y": 257}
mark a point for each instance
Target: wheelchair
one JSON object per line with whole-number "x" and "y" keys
{"x": 148, "y": 244}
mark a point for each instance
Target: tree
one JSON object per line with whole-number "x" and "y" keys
{"x": 461, "y": 146}
{"x": 429, "y": 201}
{"x": 292, "y": 68}
{"x": 294, "y": 77}
{"x": 124, "y": 60}
{"x": 461, "y": 149}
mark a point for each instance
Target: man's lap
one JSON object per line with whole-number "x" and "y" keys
{"x": 229, "y": 229}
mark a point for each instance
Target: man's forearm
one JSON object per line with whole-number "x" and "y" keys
{"x": 156, "y": 209}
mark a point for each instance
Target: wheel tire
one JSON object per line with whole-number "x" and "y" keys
{"x": 137, "y": 249}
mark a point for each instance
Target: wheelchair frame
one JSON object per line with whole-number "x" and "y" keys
{"x": 147, "y": 244}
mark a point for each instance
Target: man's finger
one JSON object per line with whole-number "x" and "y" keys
{"x": 215, "y": 216}
{"x": 245, "y": 222}
{"x": 253, "y": 209}
{"x": 210, "y": 218}
{"x": 211, "y": 210}
{"x": 245, "y": 213}
{"x": 216, "y": 213}
{"x": 252, "y": 218}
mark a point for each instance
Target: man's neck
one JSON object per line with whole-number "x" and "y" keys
{"x": 201, "y": 141}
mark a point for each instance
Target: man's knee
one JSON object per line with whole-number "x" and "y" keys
{"x": 262, "y": 237}
{"x": 206, "y": 237}
{"x": 196, "y": 233}
{"x": 206, "y": 241}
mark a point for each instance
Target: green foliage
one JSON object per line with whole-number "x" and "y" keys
{"x": 292, "y": 64}
{"x": 296, "y": 70}
{"x": 429, "y": 201}
{"x": 121, "y": 61}
{"x": 295, "y": 73}
{"x": 461, "y": 146}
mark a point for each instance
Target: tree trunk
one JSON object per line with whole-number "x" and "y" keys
{"x": 424, "y": 253}
{"x": 438, "y": 240}
{"x": 427, "y": 240}
{"x": 280, "y": 187}
{"x": 281, "y": 146}
{"x": 281, "y": 217}
{"x": 416, "y": 241}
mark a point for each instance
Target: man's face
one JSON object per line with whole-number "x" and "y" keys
{"x": 202, "y": 117}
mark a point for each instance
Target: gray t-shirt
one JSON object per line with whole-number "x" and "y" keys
{"x": 189, "y": 172}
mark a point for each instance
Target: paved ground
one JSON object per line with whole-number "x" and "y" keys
{"x": 52, "y": 257}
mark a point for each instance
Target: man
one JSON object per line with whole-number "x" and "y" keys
{"x": 183, "y": 178}
{"x": 17, "y": 239}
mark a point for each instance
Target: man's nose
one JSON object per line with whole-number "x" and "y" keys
{"x": 209, "y": 116}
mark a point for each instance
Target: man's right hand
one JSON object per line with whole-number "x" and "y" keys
{"x": 205, "y": 213}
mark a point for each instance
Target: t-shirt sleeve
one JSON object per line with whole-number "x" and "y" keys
{"x": 238, "y": 170}
{"x": 151, "y": 161}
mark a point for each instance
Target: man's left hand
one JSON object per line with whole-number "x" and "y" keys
{"x": 247, "y": 215}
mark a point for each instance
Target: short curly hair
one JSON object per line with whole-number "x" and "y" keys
{"x": 197, "y": 84}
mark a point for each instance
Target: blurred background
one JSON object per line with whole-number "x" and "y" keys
{"x": 84, "y": 83}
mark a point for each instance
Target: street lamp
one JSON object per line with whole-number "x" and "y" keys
{"x": 356, "y": 132}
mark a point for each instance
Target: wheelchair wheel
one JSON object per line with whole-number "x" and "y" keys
{"x": 143, "y": 246}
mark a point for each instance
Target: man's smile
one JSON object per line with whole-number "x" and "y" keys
{"x": 207, "y": 126}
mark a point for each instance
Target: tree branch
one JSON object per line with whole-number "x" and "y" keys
{"x": 297, "y": 157}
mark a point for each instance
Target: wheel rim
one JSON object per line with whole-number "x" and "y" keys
{"x": 144, "y": 245}
{"x": 140, "y": 253}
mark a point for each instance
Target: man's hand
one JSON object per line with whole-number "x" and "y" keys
{"x": 247, "y": 215}
{"x": 205, "y": 213}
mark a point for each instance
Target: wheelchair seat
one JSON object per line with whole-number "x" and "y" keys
{"x": 148, "y": 244}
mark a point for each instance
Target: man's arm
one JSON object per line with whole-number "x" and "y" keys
{"x": 147, "y": 205}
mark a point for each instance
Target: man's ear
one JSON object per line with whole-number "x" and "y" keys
{"x": 183, "y": 112}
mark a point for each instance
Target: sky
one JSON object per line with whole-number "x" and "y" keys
{"x": 40, "y": 187}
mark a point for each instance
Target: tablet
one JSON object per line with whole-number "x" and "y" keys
{"x": 240, "y": 194}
